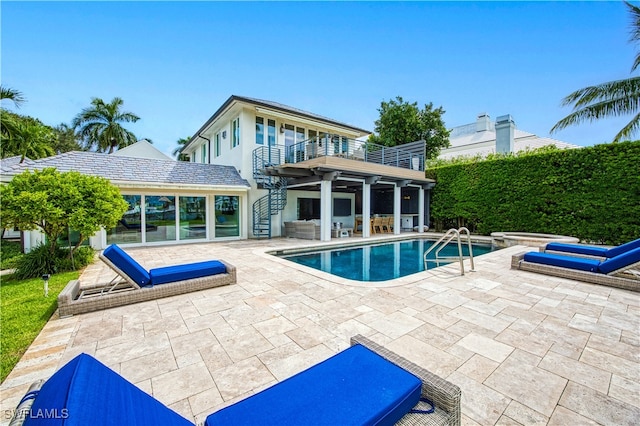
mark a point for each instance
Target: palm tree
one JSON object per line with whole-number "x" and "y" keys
{"x": 611, "y": 99}
{"x": 30, "y": 140}
{"x": 66, "y": 139}
{"x": 182, "y": 142}
{"x": 7, "y": 121}
{"x": 100, "y": 125}
{"x": 13, "y": 95}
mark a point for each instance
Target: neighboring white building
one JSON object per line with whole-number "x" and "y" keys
{"x": 142, "y": 149}
{"x": 486, "y": 137}
{"x": 301, "y": 165}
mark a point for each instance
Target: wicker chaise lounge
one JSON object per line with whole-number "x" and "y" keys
{"x": 444, "y": 395}
{"x": 365, "y": 384}
{"x": 136, "y": 284}
{"x": 621, "y": 271}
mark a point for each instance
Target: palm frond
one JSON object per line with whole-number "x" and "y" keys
{"x": 13, "y": 95}
{"x": 598, "y": 110}
{"x": 611, "y": 99}
{"x": 629, "y": 130}
{"x": 603, "y": 92}
{"x": 635, "y": 31}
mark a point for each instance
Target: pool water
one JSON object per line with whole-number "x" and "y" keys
{"x": 380, "y": 262}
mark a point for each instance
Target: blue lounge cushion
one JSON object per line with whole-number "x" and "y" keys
{"x": 590, "y": 265}
{"x": 623, "y": 248}
{"x": 354, "y": 387}
{"x": 127, "y": 264}
{"x": 625, "y": 259}
{"x": 593, "y": 250}
{"x": 169, "y": 274}
{"x": 577, "y": 249}
{"x": 86, "y": 392}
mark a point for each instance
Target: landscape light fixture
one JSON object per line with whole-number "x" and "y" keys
{"x": 45, "y": 278}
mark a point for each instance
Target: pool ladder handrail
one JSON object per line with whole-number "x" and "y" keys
{"x": 446, "y": 239}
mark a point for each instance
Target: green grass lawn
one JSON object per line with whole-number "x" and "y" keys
{"x": 23, "y": 312}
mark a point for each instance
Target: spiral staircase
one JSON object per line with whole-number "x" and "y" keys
{"x": 275, "y": 201}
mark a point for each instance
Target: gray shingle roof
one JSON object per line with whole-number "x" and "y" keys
{"x": 129, "y": 169}
{"x": 6, "y": 164}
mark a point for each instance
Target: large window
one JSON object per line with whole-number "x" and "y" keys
{"x": 193, "y": 217}
{"x": 271, "y": 132}
{"x": 160, "y": 216}
{"x": 259, "y": 131}
{"x": 227, "y": 216}
{"x": 235, "y": 132}
{"x": 129, "y": 228}
{"x": 289, "y": 141}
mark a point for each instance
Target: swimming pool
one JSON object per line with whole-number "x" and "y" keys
{"x": 379, "y": 262}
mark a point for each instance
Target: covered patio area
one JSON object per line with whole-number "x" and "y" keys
{"x": 332, "y": 174}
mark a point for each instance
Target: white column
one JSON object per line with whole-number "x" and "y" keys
{"x": 397, "y": 194}
{"x": 421, "y": 210}
{"x": 366, "y": 210}
{"x": 325, "y": 210}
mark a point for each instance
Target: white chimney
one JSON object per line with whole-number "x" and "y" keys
{"x": 505, "y": 127}
{"x": 483, "y": 122}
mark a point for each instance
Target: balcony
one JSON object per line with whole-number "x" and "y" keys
{"x": 409, "y": 156}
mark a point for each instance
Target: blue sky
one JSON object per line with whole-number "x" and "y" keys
{"x": 175, "y": 63}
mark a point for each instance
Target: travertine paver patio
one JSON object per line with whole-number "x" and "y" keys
{"x": 525, "y": 348}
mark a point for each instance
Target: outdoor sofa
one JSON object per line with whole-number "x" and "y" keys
{"x": 134, "y": 284}
{"x": 303, "y": 229}
{"x": 621, "y": 271}
{"x": 365, "y": 384}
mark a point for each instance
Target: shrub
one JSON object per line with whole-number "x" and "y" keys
{"x": 82, "y": 256}
{"x": 39, "y": 261}
{"x": 10, "y": 251}
{"x": 591, "y": 193}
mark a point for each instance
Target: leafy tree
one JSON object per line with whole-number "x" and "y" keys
{"x": 182, "y": 142}
{"x": 401, "y": 122}
{"x": 13, "y": 95}
{"x": 611, "y": 99}
{"x": 55, "y": 202}
{"x": 100, "y": 125}
{"x": 66, "y": 139}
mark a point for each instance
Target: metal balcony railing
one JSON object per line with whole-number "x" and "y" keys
{"x": 352, "y": 149}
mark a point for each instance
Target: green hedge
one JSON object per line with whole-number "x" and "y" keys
{"x": 591, "y": 193}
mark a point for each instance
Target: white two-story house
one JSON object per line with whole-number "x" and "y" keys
{"x": 302, "y": 166}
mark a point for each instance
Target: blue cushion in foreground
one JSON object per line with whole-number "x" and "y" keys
{"x": 170, "y": 274}
{"x": 86, "y": 392}
{"x": 590, "y": 265}
{"x": 354, "y": 387}
{"x": 127, "y": 264}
